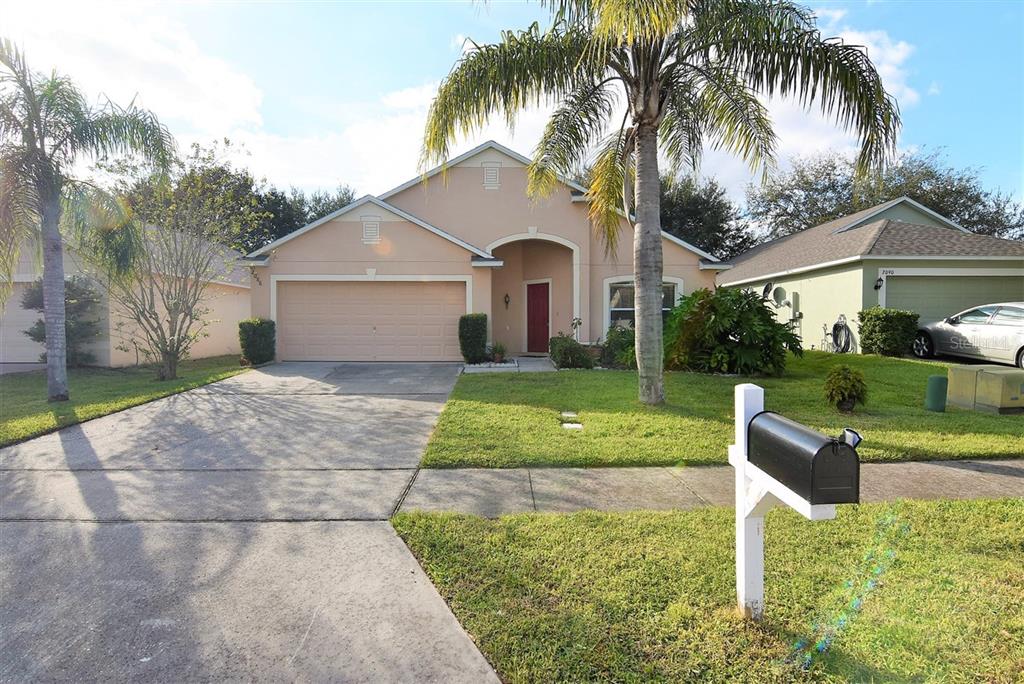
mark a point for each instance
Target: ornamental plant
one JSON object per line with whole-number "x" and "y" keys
{"x": 889, "y": 332}
{"x": 845, "y": 388}
{"x": 473, "y": 337}
{"x": 727, "y": 331}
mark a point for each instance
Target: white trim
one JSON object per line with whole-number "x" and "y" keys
{"x": 886, "y": 273}
{"x": 792, "y": 271}
{"x": 714, "y": 267}
{"x": 577, "y": 255}
{"x": 865, "y": 257}
{"x": 526, "y": 161}
{"x": 490, "y": 263}
{"x": 526, "y": 310}
{"x": 383, "y": 205}
{"x": 892, "y": 203}
{"x": 316, "y": 278}
{"x": 686, "y": 245}
{"x": 606, "y": 308}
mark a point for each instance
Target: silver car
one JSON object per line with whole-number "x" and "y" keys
{"x": 994, "y": 332}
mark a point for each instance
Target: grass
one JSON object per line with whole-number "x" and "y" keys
{"x": 651, "y": 596}
{"x": 24, "y": 411}
{"x": 510, "y": 420}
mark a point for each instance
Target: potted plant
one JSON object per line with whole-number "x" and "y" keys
{"x": 845, "y": 388}
{"x": 498, "y": 352}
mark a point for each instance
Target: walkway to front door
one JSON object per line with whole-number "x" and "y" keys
{"x": 538, "y": 317}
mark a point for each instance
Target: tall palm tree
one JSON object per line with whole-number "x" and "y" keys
{"x": 46, "y": 126}
{"x": 687, "y": 73}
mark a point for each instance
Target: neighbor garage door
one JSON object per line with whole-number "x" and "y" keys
{"x": 936, "y": 297}
{"x": 372, "y": 321}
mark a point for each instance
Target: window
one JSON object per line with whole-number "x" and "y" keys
{"x": 621, "y": 303}
{"x": 977, "y": 316}
{"x": 492, "y": 175}
{"x": 1009, "y": 315}
{"x": 371, "y": 230}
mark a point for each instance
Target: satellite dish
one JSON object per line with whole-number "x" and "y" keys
{"x": 767, "y": 290}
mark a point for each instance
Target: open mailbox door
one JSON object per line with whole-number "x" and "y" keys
{"x": 779, "y": 461}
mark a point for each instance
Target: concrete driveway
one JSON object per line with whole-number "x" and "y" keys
{"x": 238, "y": 531}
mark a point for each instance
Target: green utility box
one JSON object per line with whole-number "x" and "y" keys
{"x": 963, "y": 384}
{"x": 935, "y": 393}
{"x": 1000, "y": 390}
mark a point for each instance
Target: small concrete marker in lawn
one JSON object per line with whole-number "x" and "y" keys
{"x": 569, "y": 414}
{"x": 573, "y": 426}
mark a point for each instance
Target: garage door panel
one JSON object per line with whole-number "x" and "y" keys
{"x": 370, "y": 321}
{"x": 936, "y": 297}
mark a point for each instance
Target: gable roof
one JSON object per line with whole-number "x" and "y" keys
{"x": 579, "y": 191}
{"x": 369, "y": 199}
{"x": 857, "y": 236}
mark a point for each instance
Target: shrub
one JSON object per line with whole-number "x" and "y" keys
{"x": 81, "y": 318}
{"x": 568, "y": 353}
{"x": 498, "y": 352}
{"x": 727, "y": 331}
{"x": 256, "y": 337}
{"x": 889, "y": 332}
{"x": 845, "y": 388}
{"x": 619, "y": 343}
{"x": 473, "y": 337}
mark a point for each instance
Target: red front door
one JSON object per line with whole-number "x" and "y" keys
{"x": 537, "y": 314}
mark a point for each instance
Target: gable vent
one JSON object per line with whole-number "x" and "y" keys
{"x": 492, "y": 175}
{"x": 371, "y": 230}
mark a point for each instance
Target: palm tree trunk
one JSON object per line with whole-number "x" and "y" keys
{"x": 53, "y": 302}
{"x": 647, "y": 264}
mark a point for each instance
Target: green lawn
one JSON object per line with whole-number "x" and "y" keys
{"x": 509, "y": 420}
{"x": 651, "y": 596}
{"x": 24, "y": 411}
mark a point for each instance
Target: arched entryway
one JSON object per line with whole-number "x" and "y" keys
{"x": 535, "y": 293}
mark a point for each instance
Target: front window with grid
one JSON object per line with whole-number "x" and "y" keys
{"x": 622, "y": 307}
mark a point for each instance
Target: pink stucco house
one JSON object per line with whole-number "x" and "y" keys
{"x": 387, "y": 277}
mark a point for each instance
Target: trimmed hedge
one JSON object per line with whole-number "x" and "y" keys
{"x": 473, "y": 337}
{"x": 256, "y": 337}
{"x": 889, "y": 332}
{"x": 568, "y": 353}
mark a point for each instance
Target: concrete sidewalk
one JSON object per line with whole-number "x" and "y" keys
{"x": 495, "y": 492}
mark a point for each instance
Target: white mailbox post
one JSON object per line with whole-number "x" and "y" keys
{"x": 757, "y": 492}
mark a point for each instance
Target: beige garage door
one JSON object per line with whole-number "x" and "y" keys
{"x": 936, "y": 297}
{"x": 379, "y": 321}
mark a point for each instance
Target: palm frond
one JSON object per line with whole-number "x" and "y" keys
{"x": 524, "y": 68}
{"x": 101, "y": 227}
{"x": 124, "y": 130}
{"x": 607, "y": 189}
{"x": 715, "y": 103}
{"x": 569, "y": 135}
{"x": 778, "y": 50}
{"x": 618, "y": 22}
{"x": 19, "y": 212}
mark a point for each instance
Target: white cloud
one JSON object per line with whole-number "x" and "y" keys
{"x": 372, "y": 143}
{"x": 829, "y": 18}
{"x": 934, "y": 88}
{"x": 128, "y": 52}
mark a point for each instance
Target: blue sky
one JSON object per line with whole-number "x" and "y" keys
{"x": 328, "y": 93}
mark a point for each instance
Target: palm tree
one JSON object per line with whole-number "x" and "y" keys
{"x": 687, "y": 73}
{"x": 46, "y": 126}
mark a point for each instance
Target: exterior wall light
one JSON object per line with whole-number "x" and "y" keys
{"x": 879, "y": 283}
{"x": 508, "y": 300}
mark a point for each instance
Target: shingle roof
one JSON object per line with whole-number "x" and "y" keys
{"x": 843, "y": 238}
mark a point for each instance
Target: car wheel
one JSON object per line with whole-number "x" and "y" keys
{"x": 1020, "y": 358}
{"x": 923, "y": 347}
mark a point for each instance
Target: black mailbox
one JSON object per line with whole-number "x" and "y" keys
{"x": 823, "y": 470}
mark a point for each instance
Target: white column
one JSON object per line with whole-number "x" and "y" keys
{"x": 749, "y": 401}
